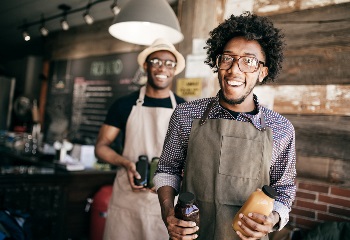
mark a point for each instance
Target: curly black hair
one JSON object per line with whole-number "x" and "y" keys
{"x": 251, "y": 27}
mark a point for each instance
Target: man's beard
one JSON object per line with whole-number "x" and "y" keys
{"x": 239, "y": 100}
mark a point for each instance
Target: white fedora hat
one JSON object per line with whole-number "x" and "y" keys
{"x": 160, "y": 45}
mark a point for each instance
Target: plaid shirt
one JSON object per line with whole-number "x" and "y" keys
{"x": 282, "y": 170}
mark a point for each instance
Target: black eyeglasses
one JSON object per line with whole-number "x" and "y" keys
{"x": 157, "y": 63}
{"x": 245, "y": 64}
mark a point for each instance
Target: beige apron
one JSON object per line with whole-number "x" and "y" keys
{"x": 226, "y": 161}
{"x": 137, "y": 215}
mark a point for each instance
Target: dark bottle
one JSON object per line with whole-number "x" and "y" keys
{"x": 186, "y": 209}
{"x": 142, "y": 169}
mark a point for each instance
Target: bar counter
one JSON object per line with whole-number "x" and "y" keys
{"x": 55, "y": 199}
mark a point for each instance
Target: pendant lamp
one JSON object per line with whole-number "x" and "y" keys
{"x": 143, "y": 21}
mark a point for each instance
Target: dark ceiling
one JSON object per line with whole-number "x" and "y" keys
{"x": 13, "y": 13}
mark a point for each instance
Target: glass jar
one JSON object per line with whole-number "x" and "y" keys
{"x": 260, "y": 201}
{"x": 185, "y": 209}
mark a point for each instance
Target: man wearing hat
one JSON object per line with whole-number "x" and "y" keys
{"x": 143, "y": 116}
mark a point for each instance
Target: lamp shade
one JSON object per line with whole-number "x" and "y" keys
{"x": 143, "y": 21}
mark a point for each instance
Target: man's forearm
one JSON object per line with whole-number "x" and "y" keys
{"x": 107, "y": 154}
{"x": 166, "y": 195}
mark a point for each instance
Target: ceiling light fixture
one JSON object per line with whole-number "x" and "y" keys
{"x": 26, "y": 36}
{"x": 115, "y": 8}
{"x": 141, "y": 22}
{"x": 43, "y": 30}
{"x": 64, "y": 23}
{"x": 25, "y": 33}
{"x": 87, "y": 17}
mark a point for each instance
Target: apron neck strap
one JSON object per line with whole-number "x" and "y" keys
{"x": 142, "y": 94}
{"x": 141, "y": 98}
{"x": 262, "y": 120}
{"x": 206, "y": 113}
{"x": 173, "y": 100}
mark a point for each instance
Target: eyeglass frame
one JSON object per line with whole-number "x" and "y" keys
{"x": 162, "y": 63}
{"x": 237, "y": 60}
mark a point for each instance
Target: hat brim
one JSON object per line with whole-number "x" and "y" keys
{"x": 180, "y": 60}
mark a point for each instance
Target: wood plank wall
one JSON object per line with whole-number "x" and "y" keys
{"x": 314, "y": 87}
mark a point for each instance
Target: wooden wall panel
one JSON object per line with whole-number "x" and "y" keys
{"x": 322, "y": 136}
{"x": 318, "y": 46}
{"x": 309, "y": 99}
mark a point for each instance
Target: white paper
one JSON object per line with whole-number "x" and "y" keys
{"x": 87, "y": 156}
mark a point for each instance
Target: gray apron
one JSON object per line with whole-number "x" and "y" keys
{"x": 226, "y": 161}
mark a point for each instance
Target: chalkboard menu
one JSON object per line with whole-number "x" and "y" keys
{"x": 81, "y": 91}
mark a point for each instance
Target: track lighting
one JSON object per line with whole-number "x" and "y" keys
{"x": 26, "y": 36}
{"x": 87, "y": 17}
{"x": 115, "y": 8}
{"x": 139, "y": 22}
{"x": 64, "y": 24}
{"x": 43, "y": 30}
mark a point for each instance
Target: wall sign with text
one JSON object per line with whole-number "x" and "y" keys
{"x": 81, "y": 91}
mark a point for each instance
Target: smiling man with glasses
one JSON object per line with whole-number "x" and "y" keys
{"x": 142, "y": 117}
{"x": 225, "y": 147}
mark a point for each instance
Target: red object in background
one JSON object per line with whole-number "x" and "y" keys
{"x": 21, "y": 129}
{"x": 98, "y": 212}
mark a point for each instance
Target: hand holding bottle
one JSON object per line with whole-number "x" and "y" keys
{"x": 255, "y": 219}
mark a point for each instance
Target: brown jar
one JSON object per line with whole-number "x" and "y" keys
{"x": 260, "y": 201}
{"x": 185, "y": 209}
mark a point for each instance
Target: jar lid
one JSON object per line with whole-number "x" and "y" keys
{"x": 269, "y": 191}
{"x": 186, "y": 198}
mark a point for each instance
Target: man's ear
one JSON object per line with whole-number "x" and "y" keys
{"x": 263, "y": 73}
{"x": 145, "y": 66}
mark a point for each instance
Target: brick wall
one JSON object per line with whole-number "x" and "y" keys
{"x": 318, "y": 202}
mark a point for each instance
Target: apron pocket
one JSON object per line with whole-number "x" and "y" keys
{"x": 240, "y": 167}
{"x": 241, "y": 158}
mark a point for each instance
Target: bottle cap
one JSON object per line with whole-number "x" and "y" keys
{"x": 186, "y": 198}
{"x": 143, "y": 158}
{"x": 155, "y": 159}
{"x": 269, "y": 191}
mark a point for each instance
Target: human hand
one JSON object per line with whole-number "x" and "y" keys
{"x": 132, "y": 173}
{"x": 180, "y": 229}
{"x": 152, "y": 190}
{"x": 255, "y": 225}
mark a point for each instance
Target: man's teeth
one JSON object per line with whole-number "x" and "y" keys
{"x": 161, "y": 76}
{"x": 234, "y": 83}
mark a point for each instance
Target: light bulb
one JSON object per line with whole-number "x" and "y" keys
{"x": 26, "y": 36}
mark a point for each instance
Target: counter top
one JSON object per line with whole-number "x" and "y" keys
{"x": 14, "y": 163}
